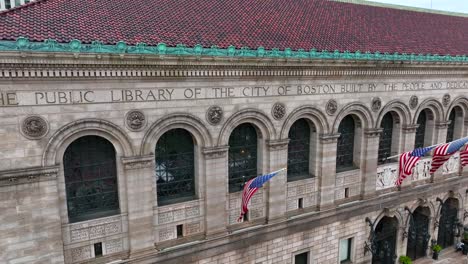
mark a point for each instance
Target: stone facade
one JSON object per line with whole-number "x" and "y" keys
{"x": 133, "y": 101}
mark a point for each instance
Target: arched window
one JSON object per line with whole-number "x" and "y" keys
{"x": 421, "y": 130}
{"x": 175, "y": 169}
{"x": 90, "y": 179}
{"x": 385, "y": 142}
{"x": 451, "y": 126}
{"x": 242, "y": 156}
{"x": 299, "y": 150}
{"x": 345, "y": 146}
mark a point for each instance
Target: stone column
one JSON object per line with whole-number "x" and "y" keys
{"x": 277, "y": 186}
{"x": 327, "y": 170}
{"x": 369, "y": 163}
{"x": 216, "y": 178}
{"x": 141, "y": 194}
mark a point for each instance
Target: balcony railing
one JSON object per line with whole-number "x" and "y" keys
{"x": 8, "y": 4}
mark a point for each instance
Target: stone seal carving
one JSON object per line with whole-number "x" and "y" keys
{"x": 446, "y": 99}
{"x": 214, "y": 115}
{"x": 376, "y": 104}
{"x": 135, "y": 120}
{"x": 34, "y": 127}
{"x": 278, "y": 111}
{"x": 331, "y": 106}
{"x": 413, "y": 101}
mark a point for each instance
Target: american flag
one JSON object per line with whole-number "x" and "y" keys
{"x": 408, "y": 160}
{"x": 251, "y": 187}
{"x": 443, "y": 152}
{"x": 464, "y": 156}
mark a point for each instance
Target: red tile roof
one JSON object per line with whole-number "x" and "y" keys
{"x": 295, "y": 24}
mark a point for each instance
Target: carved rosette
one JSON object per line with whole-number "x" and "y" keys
{"x": 331, "y": 107}
{"x": 214, "y": 115}
{"x": 135, "y": 120}
{"x": 376, "y": 104}
{"x": 278, "y": 111}
{"x": 413, "y": 102}
{"x": 34, "y": 127}
{"x": 446, "y": 99}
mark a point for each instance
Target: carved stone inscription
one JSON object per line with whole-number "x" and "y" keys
{"x": 57, "y": 97}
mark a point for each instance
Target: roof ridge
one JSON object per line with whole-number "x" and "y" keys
{"x": 403, "y": 7}
{"x": 21, "y": 6}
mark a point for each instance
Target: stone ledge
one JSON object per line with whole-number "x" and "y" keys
{"x": 28, "y": 175}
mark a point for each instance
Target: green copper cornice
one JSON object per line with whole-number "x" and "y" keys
{"x": 76, "y": 47}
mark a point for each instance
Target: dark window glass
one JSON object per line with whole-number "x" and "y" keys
{"x": 242, "y": 156}
{"x": 345, "y": 148}
{"x": 421, "y": 131}
{"x": 298, "y": 150}
{"x": 90, "y": 179}
{"x": 98, "y": 249}
{"x": 175, "y": 167}
{"x": 302, "y": 258}
{"x": 385, "y": 142}
{"x": 451, "y": 126}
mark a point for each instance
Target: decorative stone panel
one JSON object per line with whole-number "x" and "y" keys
{"x": 305, "y": 189}
{"x": 256, "y": 206}
{"x": 421, "y": 170}
{"x": 347, "y": 179}
{"x": 34, "y": 127}
{"x": 386, "y": 176}
{"x": 451, "y": 166}
{"x": 93, "y": 229}
{"x": 81, "y": 253}
{"x": 189, "y": 214}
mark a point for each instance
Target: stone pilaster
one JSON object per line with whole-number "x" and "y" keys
{"x": 409, "y": 134}
{"x": 327, "y": 170}
{"x": 216, "y": 190}
{"x": 141, "y": 193}
{"x": 369, "y": 164}
{"x": 441, "y": 132}
{"x": 440, "y": 137}
{"x": 278, "y": 153}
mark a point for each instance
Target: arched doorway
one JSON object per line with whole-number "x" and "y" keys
{"x": 418, "y": 233}
{"x": 448, "y": 223}
{"x": 385, "y": 241}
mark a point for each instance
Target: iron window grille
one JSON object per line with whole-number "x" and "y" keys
{"x": 451, "y": 127}
{"x": 385, "y": 141}
{"x": 90, "y": 179}
{"x": 242, "y": 156}
{"x": 345, "y": 146}
{"x": 421, "y": 130}
{"x": 298, "y": 150}
{"x": 175, "y": 176}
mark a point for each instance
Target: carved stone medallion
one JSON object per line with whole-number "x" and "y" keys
{"x": 34, "y": 127}
{"x": 331, "y": 107}
{"x": 413, "y": 102}
{"x": 214, "y": 115}
{"x": 278, "y": 111}
{"x": 376, "y": 104}
{"x": 446, "y": 99}
{"x": 135, "y": 120}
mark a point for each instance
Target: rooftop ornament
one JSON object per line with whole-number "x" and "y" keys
{"x": 75, "y": 46}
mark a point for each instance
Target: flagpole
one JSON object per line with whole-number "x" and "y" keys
{"x": 395, "y": 156}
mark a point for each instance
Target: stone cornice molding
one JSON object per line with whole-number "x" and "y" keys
{"x": 329, "y": 138}
{"x": 410, "y": 128}
{"x": 138, "y": 162}
{"x": 28, "y": 175}
{"x": 215, "y": 152}
{"x": 373, "y": 132}
{"x": 279, "y": 144}
{"x": 442, "y": 125}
